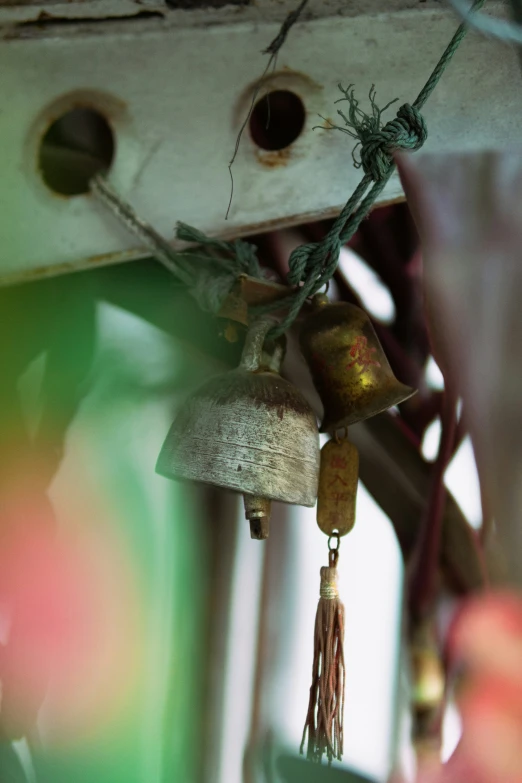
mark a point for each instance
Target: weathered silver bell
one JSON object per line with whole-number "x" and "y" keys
{"x": 248, "y": 430}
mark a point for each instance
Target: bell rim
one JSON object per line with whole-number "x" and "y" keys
{"x": 275, "y": 499}
{"x": 406, "y": 393}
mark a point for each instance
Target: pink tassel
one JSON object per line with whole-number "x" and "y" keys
{"x": 324, "y": 722}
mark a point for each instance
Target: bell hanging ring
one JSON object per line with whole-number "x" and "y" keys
{"x": 251, "y": 431}
{"x": 349, "y": 367}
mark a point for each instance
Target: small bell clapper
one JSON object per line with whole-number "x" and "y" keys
{"x": 258, "y": 511}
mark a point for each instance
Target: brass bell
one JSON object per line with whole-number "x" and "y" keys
{"x": 349, "y": 368}
{"x": 248, "y": 430}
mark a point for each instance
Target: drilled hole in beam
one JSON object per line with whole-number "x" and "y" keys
{"x": 77, "y": 145}
{"x": 277, "y": 120}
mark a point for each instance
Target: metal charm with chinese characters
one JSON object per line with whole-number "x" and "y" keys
{"x": 338, "y": 477}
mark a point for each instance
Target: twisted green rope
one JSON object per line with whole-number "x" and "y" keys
{"x": 211, "y": 270}
{"x": 313, "y": 265}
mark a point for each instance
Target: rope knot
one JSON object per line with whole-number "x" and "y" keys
{"x": 407, "y": 131}
{"x": 312, "y": 265}
{"x": 378, "y": 142}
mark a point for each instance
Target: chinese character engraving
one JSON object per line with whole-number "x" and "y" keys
{"x": 341, "y": 497}
{"x": 338, "y": 478}
{"x": 361, "y": 354}
{"x": 335, "y": 519}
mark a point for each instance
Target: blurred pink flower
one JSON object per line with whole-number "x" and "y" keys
{"x": 75, "y": 627}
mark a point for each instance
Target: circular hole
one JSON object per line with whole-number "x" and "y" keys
{"x": 78, "y": 145}
{"x": 277, "y": 120}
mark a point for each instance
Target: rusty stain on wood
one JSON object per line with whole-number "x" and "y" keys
{"x": 274, "y": 158}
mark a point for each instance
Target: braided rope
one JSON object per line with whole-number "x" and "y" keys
{"x": 407, "y": 131}
{"x": 313, "y": 265}
{"x": 211, "y": 272}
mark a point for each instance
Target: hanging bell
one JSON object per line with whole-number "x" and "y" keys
{"x": 248, "y": 430}
{"x": 349, "y": 368}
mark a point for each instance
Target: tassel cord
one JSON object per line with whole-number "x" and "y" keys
{"x": 324, "y": 720}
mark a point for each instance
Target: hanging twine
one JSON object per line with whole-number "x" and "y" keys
{"x": 273, "y": 49}
{"x": 324, "y": 721}
{"x": 209, "y": 271}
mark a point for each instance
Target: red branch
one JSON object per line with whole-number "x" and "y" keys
{"x": 423, "y": 581}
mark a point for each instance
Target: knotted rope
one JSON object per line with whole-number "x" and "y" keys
{"x": 377, "y": 145}
{"x": 273, "y": 50}
{"x": 407, "y": 131}
{"x": 312, "y": 265}
{"x": 211, "y": 271}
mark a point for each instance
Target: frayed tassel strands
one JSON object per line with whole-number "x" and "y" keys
{"x": 324, "y": 722}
